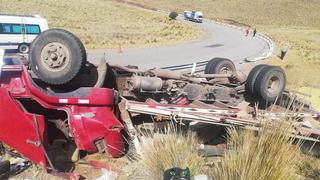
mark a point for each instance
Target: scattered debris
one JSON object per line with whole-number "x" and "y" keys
{"x": 107, "y": 175}
{"x": 177, "y": 173}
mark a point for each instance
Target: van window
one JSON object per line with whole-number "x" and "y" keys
{"x": 32, "y": 29}
{"x": 6, "y": 28}
{"x": 16, "y": 28}
{"x": 10, "y": 28}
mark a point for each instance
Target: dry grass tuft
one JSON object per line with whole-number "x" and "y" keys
{"x": 269, "y": 155}
{"x": 165, "y": 151}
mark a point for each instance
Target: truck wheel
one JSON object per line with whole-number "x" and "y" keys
{"x": 57, "y": 56}
{"x": 270, "y": 83}
{"x": 23, "y": 48}
{"x": 251, "y": 79}
{"x": 220, "y": 66}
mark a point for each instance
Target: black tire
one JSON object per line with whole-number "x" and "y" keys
{"x": 270, "y": 83}
{"x": 4, "y": 169}
{"x": 218, "y": 65}
{"x": 251, "y": 79}
{"x": 23, "y": 48}
{"x": 57, "y": 56}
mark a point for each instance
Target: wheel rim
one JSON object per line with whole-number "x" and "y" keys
{"x": 226, "y": 70}
{"x": 23, "y": 48}
{"x": 55, "y": 56}
{"x": 273, "y": 85}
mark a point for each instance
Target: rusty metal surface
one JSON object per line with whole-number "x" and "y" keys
{"x": 219, "y": 101}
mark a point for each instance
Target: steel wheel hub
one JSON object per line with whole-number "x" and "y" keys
{"x": 55, "y": 56}
{"x": 273, "y": 85}
{"x": 225, "y": 70}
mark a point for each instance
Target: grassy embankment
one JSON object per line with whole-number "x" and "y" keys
{"x": 269, "y": 154}
{"x": 296, "y": 22}
{"x": 106, "y": 24}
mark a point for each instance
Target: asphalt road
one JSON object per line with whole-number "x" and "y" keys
{"x": 222, "y": 41}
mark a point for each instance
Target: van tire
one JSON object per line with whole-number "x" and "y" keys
{"x": 57, "y": 56}
{"x": 251, "y": 79}
{"x": 23, "y": 48}
{"x": 270, "y": 83}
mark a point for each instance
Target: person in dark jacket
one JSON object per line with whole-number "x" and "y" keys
{"x": 254, "y": 32}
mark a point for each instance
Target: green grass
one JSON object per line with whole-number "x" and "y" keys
{"x": 106, "y": 24}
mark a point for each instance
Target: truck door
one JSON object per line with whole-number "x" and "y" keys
{"x": 18, "y": 130}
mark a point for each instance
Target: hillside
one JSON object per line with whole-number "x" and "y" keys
{"x": 296, "y": 22}
{"x": 105, "y": 24}
{"x": 284, "y": 13}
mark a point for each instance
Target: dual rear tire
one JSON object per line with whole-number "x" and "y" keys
{"x": 264, "y": 81}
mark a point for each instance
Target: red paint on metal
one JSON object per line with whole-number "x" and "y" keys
{"x": 17, "y": 129}
{"x": 182, "y": 101}
{"x": 87, "y": 122}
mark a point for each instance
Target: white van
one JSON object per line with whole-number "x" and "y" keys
{"x": 18, "y": 31}
{"x": 195, "y": 16}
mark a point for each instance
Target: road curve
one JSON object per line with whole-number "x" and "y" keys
{"x": 222, "y": 41}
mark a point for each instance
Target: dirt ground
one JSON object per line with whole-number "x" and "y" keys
{"x": 82, "y": 168}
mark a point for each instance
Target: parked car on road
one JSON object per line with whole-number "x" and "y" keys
{"x": 195, "y": 16}
{"x": 18, "y": 31}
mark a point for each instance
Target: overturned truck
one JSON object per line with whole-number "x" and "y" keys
{"x": 56, "y": 97}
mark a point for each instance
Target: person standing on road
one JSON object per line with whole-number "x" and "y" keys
{"x": 254, "y": 32}
{"x": 247, "y": 32}
{"x": 284, "y": 50}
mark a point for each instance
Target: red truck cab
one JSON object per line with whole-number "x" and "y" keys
{"x": 32, "y": 117}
